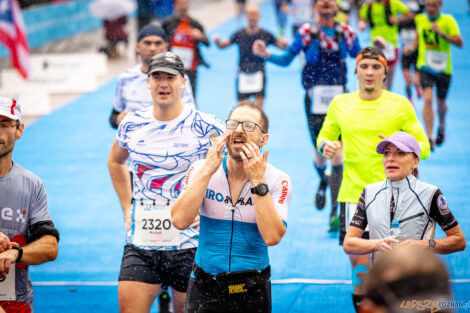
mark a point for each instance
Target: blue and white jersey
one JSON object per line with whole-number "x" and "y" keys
{"x": 229, "y": 238}
{"x": 133, "y": 93}
{"x": 161, "y": 153}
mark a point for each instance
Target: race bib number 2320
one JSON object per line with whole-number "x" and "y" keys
{"x": 153, "y": 225}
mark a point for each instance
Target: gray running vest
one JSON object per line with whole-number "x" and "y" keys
{"x": 412, "y": 200}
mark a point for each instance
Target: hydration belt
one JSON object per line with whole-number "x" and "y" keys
{"x": 230, "y": 283}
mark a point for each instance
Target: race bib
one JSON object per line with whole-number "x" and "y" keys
{"x": 322, "y": 96}
{"x": 250, "y": 82}
{"x": 153, "y": 227}
{"x": 389, "y": 52}
{"x": 186, "y": 54}
{"x": 437, "y": 60}
{"x": 407, "y": 36}
{"x": 7, "y": 286}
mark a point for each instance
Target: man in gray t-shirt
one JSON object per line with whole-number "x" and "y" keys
{"x": 27, "y": 233}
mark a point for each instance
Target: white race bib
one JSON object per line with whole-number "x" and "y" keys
{"x": 186, "y": 54}
{"x": 153, "y": 227}
{"x": 407, "y": 36}
{"x": 322, "y": 95}
{"x": 437, "y": 60}
{"x": 389, "y": 52}
{"x": 250, "y": 82}
{"x": 7, "y": 286}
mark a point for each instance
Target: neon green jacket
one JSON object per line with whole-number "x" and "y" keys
{"x": 433, "y": 51}
{"x": 359, "y": 123}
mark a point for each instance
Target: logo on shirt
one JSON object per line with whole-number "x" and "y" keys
{"x": 212, "y": 195}
{"x": 442, "y": 205}
{"x": 8, "y": 214}
{"x": 285, "y": 184}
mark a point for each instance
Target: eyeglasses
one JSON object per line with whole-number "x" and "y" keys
{"x": 247, "y": 125}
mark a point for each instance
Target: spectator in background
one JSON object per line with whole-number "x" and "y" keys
{"x": 114, "y": 15}
{"x": 403, "y": 277}
{"x": 114, "y": 34}
{"x": 185, "y": 35}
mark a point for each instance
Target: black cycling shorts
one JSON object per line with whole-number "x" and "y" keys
{"x": 170, "y": 268}
{"x": 315, "y": 121}
{"x": 442, "y": 82}
{"x": 409, "y": 60}
{"x": 215, "y": 296}
{"x": 244, "y": 96}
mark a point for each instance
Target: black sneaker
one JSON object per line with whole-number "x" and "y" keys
{"x": 440, "y": 136}
{"x": 431, "y": 144}
{"x": 164, "y": 301}
{"x": 320, "y": 196}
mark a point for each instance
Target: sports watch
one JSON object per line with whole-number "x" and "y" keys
{"x": 431, "y": 243}
{"x": 260, "y": 189}
{"x": 20, "y": 252}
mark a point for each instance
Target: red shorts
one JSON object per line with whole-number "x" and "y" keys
{"x": 15, "y": 307}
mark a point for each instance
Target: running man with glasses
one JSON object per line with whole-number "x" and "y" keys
{"x": 243, "y": 202}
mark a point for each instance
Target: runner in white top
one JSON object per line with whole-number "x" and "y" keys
{"x": 132, "y": 92}
{"x": 161, "y": 141}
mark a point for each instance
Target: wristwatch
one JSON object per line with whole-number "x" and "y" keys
{"x": 260, "y": 189}
{"x": 20, "y": 252}
{"x": 431, "y": 243}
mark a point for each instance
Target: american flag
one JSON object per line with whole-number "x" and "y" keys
{"x": 13, "y": 35}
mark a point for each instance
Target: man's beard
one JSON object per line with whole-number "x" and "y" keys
{"x": 233, "y": 155}
{"x": 6, "y": 150}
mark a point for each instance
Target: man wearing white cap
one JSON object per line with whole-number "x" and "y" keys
{"x": 416, "y": 205}
{"x": 27, "y": 233}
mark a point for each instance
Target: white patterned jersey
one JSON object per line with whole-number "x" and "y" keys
{"x": 160, "y": 154}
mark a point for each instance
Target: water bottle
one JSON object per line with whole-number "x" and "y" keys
{"x": 395, "y": 232}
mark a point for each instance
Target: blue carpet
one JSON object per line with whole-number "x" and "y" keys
{"x": 68, "y": 149}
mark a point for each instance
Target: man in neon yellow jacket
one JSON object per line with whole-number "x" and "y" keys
{"x": 361, "y": 119}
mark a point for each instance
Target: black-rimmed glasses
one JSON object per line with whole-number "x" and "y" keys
{"x": 246, "y": 125}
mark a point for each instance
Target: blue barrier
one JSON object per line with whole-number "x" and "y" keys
{"x": 56, "y": 21}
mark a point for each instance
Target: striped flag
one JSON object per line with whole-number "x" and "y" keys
{"x": 13, "y": 35}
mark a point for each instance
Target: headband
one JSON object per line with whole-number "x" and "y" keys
{"x": 377, "y": 57}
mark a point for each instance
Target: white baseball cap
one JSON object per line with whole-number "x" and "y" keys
{"x": 10, "y": 108}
